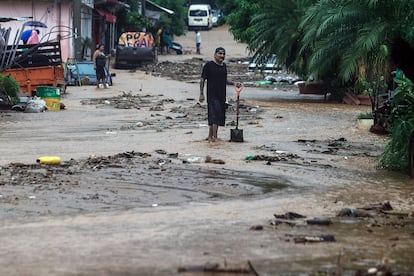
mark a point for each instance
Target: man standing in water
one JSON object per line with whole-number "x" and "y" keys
{"x": 215, "y": 72}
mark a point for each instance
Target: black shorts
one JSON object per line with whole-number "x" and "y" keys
{"x": 216, "y": 112}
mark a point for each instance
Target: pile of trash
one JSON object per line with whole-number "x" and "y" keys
{"x": 30, "y": 105}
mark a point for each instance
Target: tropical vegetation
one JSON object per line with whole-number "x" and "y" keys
{"x": 341, "y": 40}
{"x": 9, "y": 90}
{"x": 132, "y": 19}
{"x": 350, "y": 44}
{"x": 401, "y": 127}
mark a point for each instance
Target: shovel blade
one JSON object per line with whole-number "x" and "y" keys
{"x": 236, "y": 135}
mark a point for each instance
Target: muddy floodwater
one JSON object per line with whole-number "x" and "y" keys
{"x": 140, "y": 192}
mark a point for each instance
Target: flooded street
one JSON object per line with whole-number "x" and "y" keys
{"x": 140, "y": 192}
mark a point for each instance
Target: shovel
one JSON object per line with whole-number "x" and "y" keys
{"x": 236, "y": 135}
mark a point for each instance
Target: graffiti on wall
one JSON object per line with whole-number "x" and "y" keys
{"x": 136, "y": 40}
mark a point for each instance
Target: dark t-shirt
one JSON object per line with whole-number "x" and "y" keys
{"x": 216, "y": 76}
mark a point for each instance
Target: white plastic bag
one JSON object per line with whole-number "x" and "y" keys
{"x": 35, "y": 105}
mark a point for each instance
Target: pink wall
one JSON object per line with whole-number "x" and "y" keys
{"x": 48, "y": 13}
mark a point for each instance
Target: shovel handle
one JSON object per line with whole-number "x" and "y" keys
{"x": 239, "y": 87}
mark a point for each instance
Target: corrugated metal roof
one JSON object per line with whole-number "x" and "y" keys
{"x": 160, "y": 7}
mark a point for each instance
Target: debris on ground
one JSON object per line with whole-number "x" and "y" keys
{"x": 289, "y": 215}
{"x": 218, "y": 268}
{"x": 276, "y": 158}
{"x": 341, "y": 147}
{"x": 236, "y": 72}
{"x": 409, "y": 214}
{"x": 311, "y": 238}
{"x": 350, "y": 212}
{"x": 379, "y": 207}
{"x": 90, "y": 183}
{"x": 257, "y": 227}
{"x": 209, "y": 159}
{"x": 184, "y": 114}
{"x": 318, "y": 221}
{"x": 35, "y": 105}
{"x": 277, "y": 222}
{"x": 287, "y": 218}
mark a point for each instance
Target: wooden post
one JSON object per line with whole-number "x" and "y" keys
{"x": 77, "y": 26}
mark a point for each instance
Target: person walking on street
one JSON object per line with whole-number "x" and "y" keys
{"x": 167, "y": 40}
{"x": 160, "y": 40}
{"x": 198, "y": 41}
{"x": 99, "y": 62}
{"x": 215, "y": 72}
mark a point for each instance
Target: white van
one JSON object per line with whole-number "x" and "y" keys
{"x": 199, "y": 17}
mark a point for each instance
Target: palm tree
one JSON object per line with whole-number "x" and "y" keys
{"x": 360, "y": 41}
{"x": 277, "y": 31}
{"x": 355, "y": 38}
{"x": 342, "y": 41}
{"x": 335, "y": 39}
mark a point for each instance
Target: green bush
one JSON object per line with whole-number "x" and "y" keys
{"x": 9, "y": 88}
{"x": 365, "y": 115}
{"x": 401, "y": 127}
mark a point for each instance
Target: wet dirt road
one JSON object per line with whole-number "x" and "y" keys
{"x": 134, "y": 195}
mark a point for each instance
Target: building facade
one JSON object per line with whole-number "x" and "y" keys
{"x": 57, "y": 17}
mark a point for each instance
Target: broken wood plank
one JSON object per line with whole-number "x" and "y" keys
{"x": 217, "y": 268}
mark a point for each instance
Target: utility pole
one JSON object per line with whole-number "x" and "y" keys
{"x": 77, "y": 27}
{"x": 143, "y": 7}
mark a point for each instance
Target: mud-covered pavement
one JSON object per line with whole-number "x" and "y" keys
{"x": 100, "y": 183}
{"x": 140, "y": 192}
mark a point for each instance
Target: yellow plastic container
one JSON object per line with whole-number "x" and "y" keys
{"x": 51, "y": 96}
{"x": 49, "y": 160}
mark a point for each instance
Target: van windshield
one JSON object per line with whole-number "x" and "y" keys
{"x": 198, "y": 13}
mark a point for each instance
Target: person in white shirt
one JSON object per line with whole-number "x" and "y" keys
{"x": 198, "y": 41}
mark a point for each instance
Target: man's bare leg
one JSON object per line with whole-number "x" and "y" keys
{"x": 214, "y": 132}
{"x": 210, "y": 133}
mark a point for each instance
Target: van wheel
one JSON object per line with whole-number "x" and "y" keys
{"x": 411, "y": 156}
